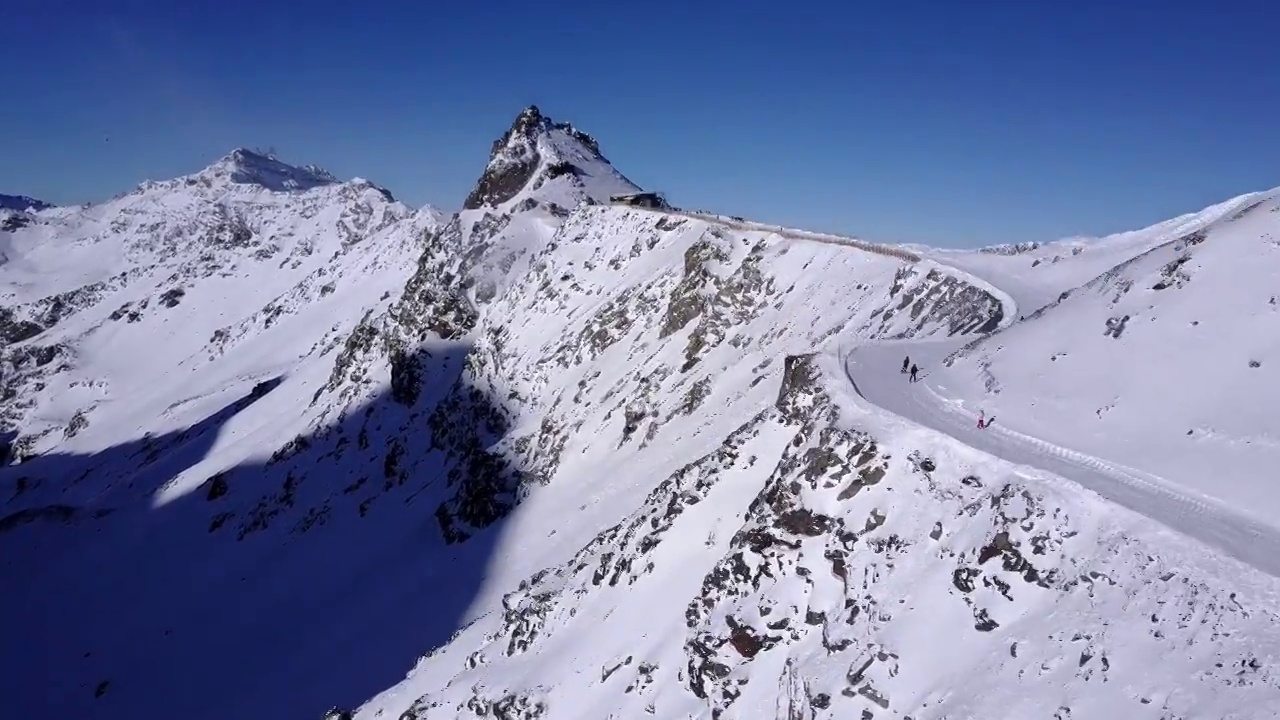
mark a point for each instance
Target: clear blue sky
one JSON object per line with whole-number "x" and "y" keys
{"x": 952, "y": 123}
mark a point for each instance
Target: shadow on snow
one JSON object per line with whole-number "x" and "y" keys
{"x": 118, "y": 609}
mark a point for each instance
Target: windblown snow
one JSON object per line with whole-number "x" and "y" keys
{"x": 278, "y": 445}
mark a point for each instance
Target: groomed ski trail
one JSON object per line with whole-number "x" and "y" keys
{"x": 874, "y": 377}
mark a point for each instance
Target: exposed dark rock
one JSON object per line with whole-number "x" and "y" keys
{"x": 1173, "y": 274}
{"x": 745, "y": 642}
{"x": 1115, "y": 326}
{"x": 737, "y": 301}
{"x": 78, "y": 422}
{"x": 802, "y": 521}
{"x": 432, "y": 299}
{"x": 936, "y": 299}
{"x": 172, "y": 297}
{"x": 13, "y": 330}
{"x": 688, "y": 298}
{"x": 484, "y": 484}
{"x": 800, "y": 380}
{"x": 406, "y": 376}
{"x": 218, "y": 487}
{"x": 52, "y": 513}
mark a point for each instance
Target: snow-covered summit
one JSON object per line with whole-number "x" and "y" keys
{"x": 248, "y": 175}
{"x": 551, "y": 160}
{"x": 247, "y": 167}
{"x": 247, "y": 238}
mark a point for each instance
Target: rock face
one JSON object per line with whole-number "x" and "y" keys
{"x": 545, "y": 440}
{"x": 935, "y": 300}
{"x": 512, "y": 162}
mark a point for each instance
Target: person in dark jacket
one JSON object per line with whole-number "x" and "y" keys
{"x": 914, "y": 370}
{"x": 906, "y": 362}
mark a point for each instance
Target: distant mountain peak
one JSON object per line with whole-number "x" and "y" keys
{"x": 536, "y": 150}
{"x": 248, "y": 167}
{"x": 22, "y": 203}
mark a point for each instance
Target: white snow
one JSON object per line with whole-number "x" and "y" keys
{"x": 1177, "y": 394}
{"x": 734, "y": 504}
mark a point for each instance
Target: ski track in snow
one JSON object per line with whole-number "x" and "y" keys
{"x": 875, "y": 378}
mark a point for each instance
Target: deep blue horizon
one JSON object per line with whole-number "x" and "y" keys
{"x": 934, "y": 123}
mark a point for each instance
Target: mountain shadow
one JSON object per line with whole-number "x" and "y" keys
{"x": 276, "y": 589}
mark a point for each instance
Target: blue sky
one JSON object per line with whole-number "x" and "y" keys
{"x": 942, "y": 122}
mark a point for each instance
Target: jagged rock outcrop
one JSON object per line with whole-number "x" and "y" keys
{"x": 934, "y": 300}
{"x": 535, "y": 143}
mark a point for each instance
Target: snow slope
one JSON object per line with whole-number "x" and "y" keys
{"x": 551, "y": 458}
{"x": 1221, "y": 525}
{"x": 1163, "y": 362}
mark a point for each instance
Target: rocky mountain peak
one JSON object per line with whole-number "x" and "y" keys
{"x": 536, "y": 149}
{"x": 531, "y": 122}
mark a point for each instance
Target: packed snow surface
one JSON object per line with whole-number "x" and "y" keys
{"x": 279, "y": 443}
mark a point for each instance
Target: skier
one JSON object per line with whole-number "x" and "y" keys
{"x": 906, "y": 362}
{"x": 914, "y": 370}
{"x": 982, "y": 419}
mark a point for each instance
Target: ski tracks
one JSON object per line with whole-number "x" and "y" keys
{"x": 1205, "y": 519}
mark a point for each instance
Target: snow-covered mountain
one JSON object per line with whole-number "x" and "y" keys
{"x": 281, "y": 443}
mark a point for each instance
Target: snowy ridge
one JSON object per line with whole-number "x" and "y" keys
{"x": 555, "y": 459}
{"x": 1009, "y": 306}
{"x": 795, "y": 234}
{"x": 1037, "y": 273}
